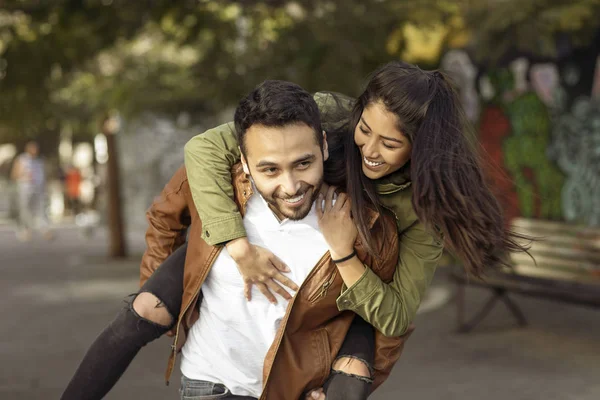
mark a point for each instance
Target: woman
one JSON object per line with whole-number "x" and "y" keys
{"x": 408, "y": 153}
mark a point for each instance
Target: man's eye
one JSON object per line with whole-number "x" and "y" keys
{"x": 304, "y": 165}
{"x": 270, "y": 171}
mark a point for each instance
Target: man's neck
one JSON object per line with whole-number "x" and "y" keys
{"x": 280, "y": 217}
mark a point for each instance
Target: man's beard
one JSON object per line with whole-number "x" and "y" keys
{"x": 277, "y": 202}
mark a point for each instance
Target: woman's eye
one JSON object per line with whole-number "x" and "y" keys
{"x": 363, "y": 130}
{"x": 388, "y": 146}
{"x": 270, "y": 171}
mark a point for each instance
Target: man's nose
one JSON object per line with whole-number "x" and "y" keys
{"x": 290, "y": 184}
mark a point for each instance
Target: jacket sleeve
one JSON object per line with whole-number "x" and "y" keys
{"x": 168, "y": 219}
{"x": 391, "y": 307}
{"x": 209, "y": 158}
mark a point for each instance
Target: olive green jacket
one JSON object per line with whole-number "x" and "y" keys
{"x": 390, "y": 308}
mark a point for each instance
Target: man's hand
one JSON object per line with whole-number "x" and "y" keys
{"x": 260, "y": 267}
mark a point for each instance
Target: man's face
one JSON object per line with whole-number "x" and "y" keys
{"x": 286, "y": 164}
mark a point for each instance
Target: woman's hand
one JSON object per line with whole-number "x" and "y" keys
{"x": 259, "y": 266}
{"x": 336, "y": 223}
{"x": 316, "y": 394}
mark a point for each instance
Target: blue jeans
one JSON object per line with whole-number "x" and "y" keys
{"x": 203, "y": 390}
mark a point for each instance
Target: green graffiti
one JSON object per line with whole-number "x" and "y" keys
{"x": 536, "y": 178}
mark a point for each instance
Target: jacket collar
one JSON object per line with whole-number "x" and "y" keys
{"x": 394, "y": 182}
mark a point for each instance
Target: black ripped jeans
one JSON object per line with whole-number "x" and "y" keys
{"x": 117, "y": 345}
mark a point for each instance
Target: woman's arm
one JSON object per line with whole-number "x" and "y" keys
{"x": 209, "y": 158}
{"x": 392, "y": 307}
{"x": 389, "y": 307}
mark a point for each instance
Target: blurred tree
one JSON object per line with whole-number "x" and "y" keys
{"x": 42, "y": 40}
{"x": 66, "y": 62}
{"x": 542, "y": 28}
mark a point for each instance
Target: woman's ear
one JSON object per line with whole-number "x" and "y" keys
{"x": 325, "y": 147}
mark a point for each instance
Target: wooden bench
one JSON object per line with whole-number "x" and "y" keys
{"x": 566, "y": 268}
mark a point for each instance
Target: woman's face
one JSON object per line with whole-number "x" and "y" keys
{"x": 383, "y": 147}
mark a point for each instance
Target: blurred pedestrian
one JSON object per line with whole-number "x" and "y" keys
{"x": 29, "y": 175}
{"x": 72, "y": 184}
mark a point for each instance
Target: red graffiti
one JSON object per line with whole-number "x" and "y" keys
{"x": 494, "y": 127}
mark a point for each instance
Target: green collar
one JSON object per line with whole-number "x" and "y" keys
{"x": 394, "y": 182}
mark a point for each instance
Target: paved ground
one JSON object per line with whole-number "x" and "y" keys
{"x": 57, "y": 296}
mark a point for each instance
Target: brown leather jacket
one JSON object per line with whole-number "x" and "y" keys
{"x": 313, "y": 329}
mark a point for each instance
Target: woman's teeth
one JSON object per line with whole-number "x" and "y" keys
{"x": 295, "y": 199}
{"x": 372, "y": 164}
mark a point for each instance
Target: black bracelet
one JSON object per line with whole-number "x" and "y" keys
{"x": 341, "y": 260}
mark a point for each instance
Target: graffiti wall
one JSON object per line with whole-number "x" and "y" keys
{"x": 539, "y": 127}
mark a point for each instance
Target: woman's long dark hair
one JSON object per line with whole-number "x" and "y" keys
{"x": 450, "y": 193}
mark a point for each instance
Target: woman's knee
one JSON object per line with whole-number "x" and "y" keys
{"x": 350, "y": 379}
{"x": 352, "y": 366}
{"x": 151, "y": 308}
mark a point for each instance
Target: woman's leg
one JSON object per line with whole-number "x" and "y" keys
{"x": 152, "y": 313}
{"x": 352, "y": 371}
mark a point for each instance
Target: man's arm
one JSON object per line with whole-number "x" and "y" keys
{"x": 168, "y": 220}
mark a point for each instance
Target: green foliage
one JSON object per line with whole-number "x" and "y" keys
{"x": 531, "y": 26}
{"x": 66, "y": 62}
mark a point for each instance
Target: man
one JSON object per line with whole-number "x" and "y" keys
{"x": 231, "y": 348}
{"x": 28, "y": 173}
{"x": 258, "y": 349}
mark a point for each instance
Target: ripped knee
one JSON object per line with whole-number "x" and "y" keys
{"x": 151, "y": 308}
{"x": 354, "y": 367}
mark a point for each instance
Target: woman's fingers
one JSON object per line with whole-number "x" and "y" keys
{"x": 279, "y": 264}
{"x": 319, "y": 207}
{"x": 341, "y": 201}
{"x": 277, "y": 288}
{"x": 329, "y": 198}
{"x": 248, "y": 289}
{"x": 284, "y": 280}
{"x": 265, "y": 291}
{"x": 316, "y": 394}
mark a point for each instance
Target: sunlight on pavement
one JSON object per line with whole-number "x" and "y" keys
{"x": 101, "y": 289}
{"x": 436, "y": 297}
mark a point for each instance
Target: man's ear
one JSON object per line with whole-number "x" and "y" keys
{"x": 325, "y": 147}
{"x": 244, "y": 164}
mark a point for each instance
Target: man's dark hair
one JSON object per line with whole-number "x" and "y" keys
{"x": 276, "y": 104}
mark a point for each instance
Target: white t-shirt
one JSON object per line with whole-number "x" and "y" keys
{"x": 229, "y": 342}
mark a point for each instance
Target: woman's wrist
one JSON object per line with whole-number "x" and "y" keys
{"x": 239, "y": 248}
{"x": 341, "y": 253}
